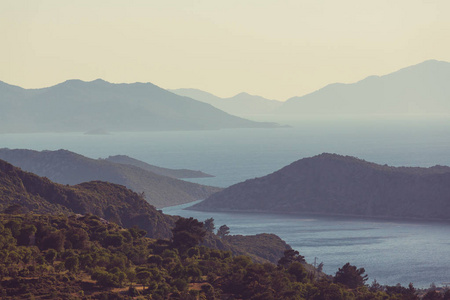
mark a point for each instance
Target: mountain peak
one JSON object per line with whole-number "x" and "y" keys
{"x": 415, "y": 90}
{"x": 100, "y": 81}
{"x": 243, "y": 94}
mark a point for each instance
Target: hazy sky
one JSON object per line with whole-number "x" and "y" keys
{"x": 276, "y": 49}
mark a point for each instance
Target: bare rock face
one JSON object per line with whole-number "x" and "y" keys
{"x": 341, "y": 185}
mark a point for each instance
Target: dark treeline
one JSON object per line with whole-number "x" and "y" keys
{"x": 87, "y": 257}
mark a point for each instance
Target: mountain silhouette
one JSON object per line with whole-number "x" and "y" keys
{"x": 420, "y": 89}
{"x": 79, "y": 106}
{"x": 242, "y": 104}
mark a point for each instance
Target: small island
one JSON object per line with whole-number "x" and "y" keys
{"x": 332, "y": 184}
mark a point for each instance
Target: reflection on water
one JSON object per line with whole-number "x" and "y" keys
{"x": 391, "y": 251}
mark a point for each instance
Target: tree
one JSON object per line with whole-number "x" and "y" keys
{"x": 432, "y": 295}
{"x": 298, "y": 270}
{"x": 290, "y": 256}
{"x": 320, "y": 267}
{"x": 115, "y": 240}
{"x": 50, "y": 256}
{"x": 78, "y": 237}
{"x": 209, "y": 225}
{"x": 351, "y": 276}
{"x": 223, "y": 231}
{"x": 143, "y": 277}
{"x": 187, "y": 233}
{"x": 447, "y": 295}
{"x": 14, "y": 209}
{"x": 53, "y": 240}
{"x": 72, "y": 263}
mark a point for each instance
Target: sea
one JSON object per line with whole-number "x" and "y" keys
{"x": 391, "y": 251}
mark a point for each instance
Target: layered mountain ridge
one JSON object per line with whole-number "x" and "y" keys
{"x": 65, "y": 167}
{"x": 242, "y": 104}
{"x": 78, "y": 106}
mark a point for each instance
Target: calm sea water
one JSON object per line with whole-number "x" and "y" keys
{"x": 390, "y": 251}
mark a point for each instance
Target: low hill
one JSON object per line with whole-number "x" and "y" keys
{"x": 418, "y": 89}
{"x": 341, "y": 185}
{"x": 79, "y": 106}
{"x": 242, "y": 104}
{"x": 66, "y": 167}
{"x": 174, "y": 173}
{"x": 113, "y": 202}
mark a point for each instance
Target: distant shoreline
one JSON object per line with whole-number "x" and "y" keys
{"x": 343, "y": 216}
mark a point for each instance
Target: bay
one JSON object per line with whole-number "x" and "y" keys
{"x": 390, "y": 251}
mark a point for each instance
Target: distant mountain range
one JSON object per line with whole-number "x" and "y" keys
{"x": 66, "y": 167}
{"x": 341, "y": 185}
{"x": 242, "y": 104}
{"x": 79, "y": 106}
{"x": 99, "y": 106}
{"x": 418, "y": 89}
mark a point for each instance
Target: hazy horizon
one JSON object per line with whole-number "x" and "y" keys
{"x": 245, "y": 93}
{"x": 269, "y": 48}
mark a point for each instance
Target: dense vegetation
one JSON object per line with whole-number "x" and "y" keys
{"x": 110, "y": 201}
{"x": 25, "y": 192}
{"x": 86, "y": 257}
{"x": 341, "y": 185}
{"x": 54, "y": 246}
{"x": 67, "y": 167}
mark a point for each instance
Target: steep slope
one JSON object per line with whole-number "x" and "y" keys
{"x": 418, "y": 89}
{"x": 66, "y": 167}
{"x": 117, "y": 204}
{"x": 341, "y": 185}
{"x": 75, "y": 105}
{"x": 178, "y": 173}
{"x": 242, "y": 104}
{"x": 110, "y": 201}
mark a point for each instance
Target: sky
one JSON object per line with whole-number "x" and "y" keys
{"x": 273, "y": 48}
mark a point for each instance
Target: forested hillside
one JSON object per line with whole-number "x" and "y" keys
{"x": 85, "y": 257}
{"x": 341, "y": 185}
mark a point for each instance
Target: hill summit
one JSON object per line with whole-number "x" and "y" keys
{"x": 341, "y": 185}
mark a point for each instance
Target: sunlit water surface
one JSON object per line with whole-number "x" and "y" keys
{"x": 390, "y": 251}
